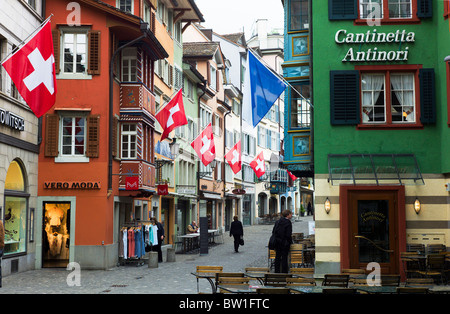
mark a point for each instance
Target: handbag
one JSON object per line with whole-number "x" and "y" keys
{"x": 241, "y": 241}
{"x": 272, "y": 242}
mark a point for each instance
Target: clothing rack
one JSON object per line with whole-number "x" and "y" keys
{"x": 131, "y": 243}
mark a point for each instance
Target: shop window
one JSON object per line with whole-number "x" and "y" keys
{"x": 376, "y": 97}
{"x": 15, "y": 213}
{"x": 56, "y": 235}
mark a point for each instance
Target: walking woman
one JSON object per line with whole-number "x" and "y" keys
{"x": 237, "y": 231}
{"x": 160, "y": 235}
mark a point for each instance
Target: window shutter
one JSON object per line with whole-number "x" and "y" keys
{"x": 92, "y": 136}
{"x": 424, "y": 8}
{"x": 427, "y": 96}
{"x": 56, "y": 35}
{"x": 94, "y": 52}
{"x": 208, "y": 70}
{"x": 344, "y": 97}
{"x": 114, "y": 139}
{"x": 51, "y": 135}
{"x": 342, "y": 9}
{"x": 153, "y": 27}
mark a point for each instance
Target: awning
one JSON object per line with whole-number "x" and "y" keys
{"x": 379, "y": 169}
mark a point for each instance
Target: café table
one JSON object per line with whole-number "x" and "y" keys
{"x": 210, "y": 276}
{"x": 188, "y": 241}
{"x": 259, "y": 276}
{"x": 377, "y": 289}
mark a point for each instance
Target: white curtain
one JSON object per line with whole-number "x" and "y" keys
{"x": 372, "y": 86}
{"x": 403, "y": 87}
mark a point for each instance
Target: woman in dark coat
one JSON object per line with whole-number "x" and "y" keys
{"x": 160, "y": 233}
{"x": 237, "y": 231}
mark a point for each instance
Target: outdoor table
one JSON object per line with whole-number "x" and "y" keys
{"x": 188, "y": 241}
{"x": 440, "y": 289}
{"x": 243, "y": 290}
{"x": 260, "y": 276}
{"x": 211, "y": 233}
{"x": 377, "y": 289}
{"x": 211, "y": 277}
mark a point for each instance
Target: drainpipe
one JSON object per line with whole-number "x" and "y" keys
{"x": 198, "y": 110}
{"x": 144, "y": 28}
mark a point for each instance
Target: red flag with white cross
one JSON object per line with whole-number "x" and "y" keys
{"x": 204, "y": 145}
{"x": 233, "y": 157}
{"x": 32, "y": 69}
{"x": 172, "y": 115}
{"x": 291, "y": 175}
{"x": 259, "y": 165}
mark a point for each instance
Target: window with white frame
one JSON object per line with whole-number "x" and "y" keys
{"x": 75, "y": 52}
{"x": 129, "y": 65}
{"x": 378, "y": 9}
{"x": 213, "y": 76}
{"x": 125, "y": 5}
{"x": 395, "y": 104}
{"x": 205, "y": 117}
{"x": 129, "y": 141}
{"x": 73, "y": 135}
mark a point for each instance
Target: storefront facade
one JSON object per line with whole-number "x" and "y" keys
{"x": 381, "y": 131}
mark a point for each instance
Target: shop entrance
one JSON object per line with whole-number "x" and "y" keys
{"x": 373, "y": 229}
{"x": 56, "y": 234}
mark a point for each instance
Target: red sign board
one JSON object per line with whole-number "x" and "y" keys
{"x": 131, "y": 183}
{"x": 163, "y": 189}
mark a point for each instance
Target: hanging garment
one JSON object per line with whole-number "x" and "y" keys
{"x": 154, "y": 235}
{"x": 131, "y": 243}
{"x": 125, "y": 242}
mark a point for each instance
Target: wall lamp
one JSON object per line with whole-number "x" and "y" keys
{"x": 417, "y": 206}
{"x": 327, "y": 206}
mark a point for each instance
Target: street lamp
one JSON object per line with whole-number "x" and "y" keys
{"x": 202, "y": 174}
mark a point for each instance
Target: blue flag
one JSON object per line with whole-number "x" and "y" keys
{"x": 262, "y": 89}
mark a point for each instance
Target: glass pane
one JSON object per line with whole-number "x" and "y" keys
{"x": 373, "y": 231}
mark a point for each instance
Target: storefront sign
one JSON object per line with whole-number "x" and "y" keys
{"x": 238, "y": 191}
{"x": 72, "y": 185}
{"x": 12, "y": 120}
{"x": 373, "y": 37}
{"x": 132, "y": 183}
{"x": 163, "y": 189}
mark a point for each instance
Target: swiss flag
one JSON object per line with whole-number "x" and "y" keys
{"x": 32, "y": 69}
{"x": 259, "y": 165}
{"x": 234, "y": 158}
{"x": 291, "y": 175}
{"x": 172, "y": 115}
{"x": 204, "y": 145}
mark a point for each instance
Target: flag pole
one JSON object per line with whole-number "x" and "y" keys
{"x": 26, "y": 39}
{"x": 279, "y": 76}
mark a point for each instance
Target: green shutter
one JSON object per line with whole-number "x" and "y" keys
{"x": 424, "y": 8}
{"x": 427, "y": 96}
{"x": 344, "y": 97}
{"x": 342, "y": 9}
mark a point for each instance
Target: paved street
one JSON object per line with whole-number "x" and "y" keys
{"x": 168, "y": 278}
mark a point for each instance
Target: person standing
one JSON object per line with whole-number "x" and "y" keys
{"x": 2, "y": 246}
{"x": 237, "y": 231}
{"x": 160, "y": 236}
{"x": 283, "y": 234}
{"x": 309, "y": 209}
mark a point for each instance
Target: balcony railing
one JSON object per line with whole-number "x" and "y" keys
{"x": 136, "y": 96}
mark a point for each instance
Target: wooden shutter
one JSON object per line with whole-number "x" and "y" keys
{"x": 344, "y": 97}
{"x": 152, "y": 23}
{"x": 427, "y": 96}
{"x": 92, "y": 136}
{"x": 424, "y": 8}
{"x": 208, "y": 72}
{"x": 51, "y": 135}
{"x": 114, "y": 139}
{"x": 56, "y": 35}
{"x": 342, "y": 9}
{"x": 94, "y": 52}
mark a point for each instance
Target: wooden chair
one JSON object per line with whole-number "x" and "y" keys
{"x": 276, "y": 279}
{"x": 257, "y": 269}
{"x": 435, "y": 267}
{"x": 296, "y": 255}
{"x": 302, "y": 271}
{"x": 390, "y": 280}
{"x": 414, "y": 247}
{"x": 353, "y": 273}
{"x": 222, "y": 276}
{"x": 271, "y": 258}
{"x": 272, "y": 291}
{"x": 419, "y": 282}
{"x": 412, "y": 290}
{"x": 290, "y": 282}
{"x": 411, "y": 266}
{"x": 232, "y": 282}
{"x": 339, "y": 291}
{"x": 336, "y": 280}
{"x": 436, "y": 248}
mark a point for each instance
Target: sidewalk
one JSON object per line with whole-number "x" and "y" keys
{"x": 167, "y": 278}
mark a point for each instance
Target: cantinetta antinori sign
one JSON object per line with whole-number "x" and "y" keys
{"x": 373, "y": 54}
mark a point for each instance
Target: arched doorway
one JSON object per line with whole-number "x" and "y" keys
{"x": 262, "y": 204}
{"x": 16, "y": 209}
{"x": 273, "y": 205}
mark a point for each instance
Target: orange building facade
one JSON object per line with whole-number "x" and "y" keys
{"x": 96, "y": 162}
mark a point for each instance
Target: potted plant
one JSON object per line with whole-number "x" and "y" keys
{"x": 302, "y": 210}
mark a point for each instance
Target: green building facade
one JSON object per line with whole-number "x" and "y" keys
{"x": 380, "y": 82}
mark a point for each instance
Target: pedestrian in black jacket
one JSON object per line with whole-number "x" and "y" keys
{"x": 160, "y": 233}
{"x": 237, "y": 231}
{"x": 283, "y": 234}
